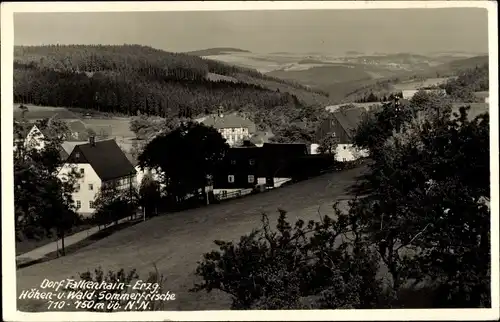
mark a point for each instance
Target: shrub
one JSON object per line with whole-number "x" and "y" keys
{"x": 305, "y": 266}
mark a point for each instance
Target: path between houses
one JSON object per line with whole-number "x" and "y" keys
{"x": 41, "y": 252}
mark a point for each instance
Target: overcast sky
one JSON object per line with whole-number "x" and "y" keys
{"x": 327, "y": 31}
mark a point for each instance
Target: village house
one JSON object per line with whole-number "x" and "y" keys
{"x": 241, "y": 168}
{"x": 341, "y": 124}
{"x": 234, "y": 128}
{"x": 269, "y": 166}
{"x": 99, "y": 163}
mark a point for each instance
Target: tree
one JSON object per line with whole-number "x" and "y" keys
{"x": 43, "y": 203}
{"x": 426, "y": 215}
{"x": 328, "y": 145}
{"x": 113, "y": 204}
{"x": 149, "y": 193}
{"x": 185, "y": 157}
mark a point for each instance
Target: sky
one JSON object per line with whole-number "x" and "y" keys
{"x": 304, "y": 31}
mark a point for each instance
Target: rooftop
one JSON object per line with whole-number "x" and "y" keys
{"x": 105, "y": 157}
{"x": 228, "y": 121}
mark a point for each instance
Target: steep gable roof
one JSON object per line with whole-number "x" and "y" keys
{"x": 349, "y": 119}
{"x": 229, "y": 121}
{"x": 68, "y": 146}
{"x": 105, "y": 157}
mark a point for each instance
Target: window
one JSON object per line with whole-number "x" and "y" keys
{"x": 78, "y": 204}
{"x": 82, "y": 170}
{"x": 91, "y": 187}
{"x": 77, "y": 154}
{"x": 251, "y": 178}
{"x": 345, "y": 148}
{"x": 230, "y": 178}
{"x": 251, "y": 161}
{"x": 91, "y": 205}
{"x": 233, "y": 162}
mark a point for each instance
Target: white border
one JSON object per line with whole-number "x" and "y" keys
{"x": 8, "y": 254}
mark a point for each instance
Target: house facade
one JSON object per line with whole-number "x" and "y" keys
{"x": 241, "y": 168}
{"x": 99, "y": 164}
{"x": 35, "y": 139}
{"x": 235, "y": 129}
{"x": 341, "y": 124}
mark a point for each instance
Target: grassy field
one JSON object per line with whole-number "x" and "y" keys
{"x": 120, "y": 125}
{"x": 175, "y": 242}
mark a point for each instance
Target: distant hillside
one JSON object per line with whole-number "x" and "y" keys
{"x": 453, "y": 67}
{"x": 216, "y": 51}
{"x": 354, "y": 90}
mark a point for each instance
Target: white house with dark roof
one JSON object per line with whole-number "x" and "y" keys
{"x": 234, "y": 128}
{"x": 99, "y": 163}
{"x": 341, "y": 124}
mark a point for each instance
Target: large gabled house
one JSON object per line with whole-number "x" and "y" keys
{"x": 342, "y": 124}
{"x": 100, "y": 163}
{"x": 234, "y": 128}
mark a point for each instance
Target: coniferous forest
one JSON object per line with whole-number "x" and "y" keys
{"x": 129, "y": 79}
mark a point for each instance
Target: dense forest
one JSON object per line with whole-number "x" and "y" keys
{"x": 129, "y": 79}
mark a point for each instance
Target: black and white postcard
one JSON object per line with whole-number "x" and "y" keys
{"x": 250, "y": 160}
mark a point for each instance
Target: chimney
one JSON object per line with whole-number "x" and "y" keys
{"x": 92, "y": 140}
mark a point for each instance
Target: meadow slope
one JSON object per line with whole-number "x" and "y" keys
{"x": 175, "y": 242}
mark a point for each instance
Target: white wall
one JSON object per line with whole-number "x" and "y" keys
{"x": 347, "y": 152}
{"x": 314, "y": 148}
{"x": 234, "y": 135}
{"x": 35, "y": 139}
{"x": 84, "y": 194}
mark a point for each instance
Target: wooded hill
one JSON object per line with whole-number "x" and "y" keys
{"x": 131, "y": 78}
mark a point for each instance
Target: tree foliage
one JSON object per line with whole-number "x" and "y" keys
{"x": 328, "y": 145}
{"x": 426, "y": 213}
{"x": 112, "y": 204}
{"x": 462, "y": 88}
{"x": 43, "y": 203}
{"x": 185, "y": 157}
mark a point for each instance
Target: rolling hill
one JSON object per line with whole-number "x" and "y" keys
{"x": 216, "y": 51}
{"x": 353, "y": 90}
